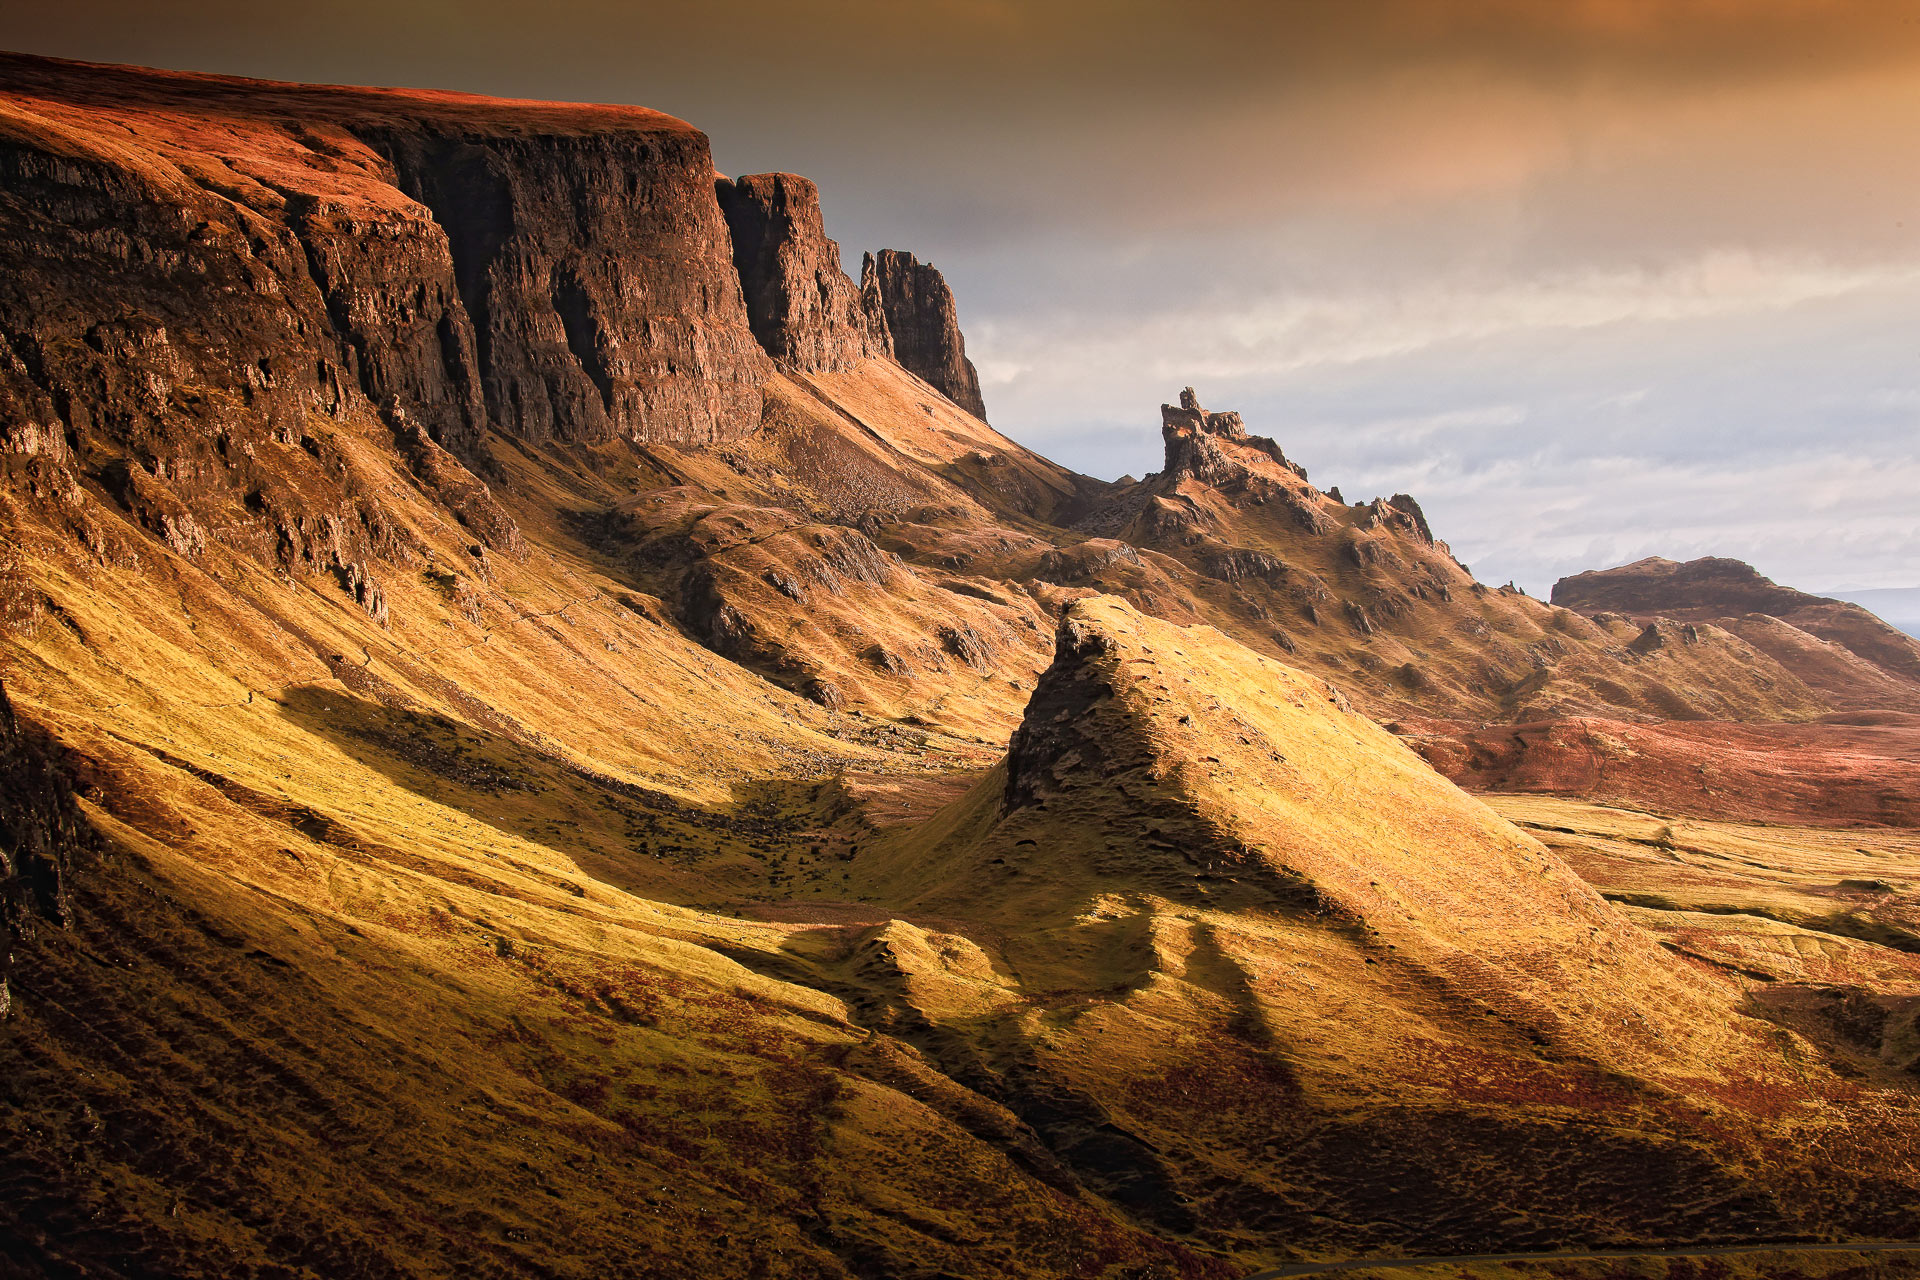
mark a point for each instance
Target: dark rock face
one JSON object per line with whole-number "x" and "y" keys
{"x": 386, "y": 275}
{"x": 217, "y": 250}
{"x": 917, "y": 308}
{"x": 597, "y": 273}
{"x": 803, "y": 308}
{"x": 1193, "y": 434}
{"x": 1191, "y": 417}
{"x": 41, "y": 829}
{"x": 1404, "y": 505}
{"x": 454, "y": 487}
{"x": 211, "y": 290}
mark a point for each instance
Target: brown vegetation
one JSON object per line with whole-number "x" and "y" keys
{"x": 505, "y": 776}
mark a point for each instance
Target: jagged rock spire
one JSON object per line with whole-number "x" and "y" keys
{"x": 916, "y": 307}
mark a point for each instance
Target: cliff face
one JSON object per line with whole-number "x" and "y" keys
{"x": 922, "y": 324}
{"x": 803, "y": 308}
{"x": 565, "y": 271}
{"x": 220, "y": 294}
{"x": 40, "y": 831}
{"x": 597, "y": 273}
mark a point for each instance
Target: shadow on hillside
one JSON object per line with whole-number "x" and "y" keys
{"x": 618, "y": 832}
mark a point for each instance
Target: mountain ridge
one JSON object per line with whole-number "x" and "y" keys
{"x": 597, "y": 766}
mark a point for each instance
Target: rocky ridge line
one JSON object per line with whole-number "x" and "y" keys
{"x": 924, "y": 329}
{"x": 804, "y": 309}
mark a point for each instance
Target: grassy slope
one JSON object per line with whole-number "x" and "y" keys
{"x": 383, "y": 978}
{"x": 521, "y": 934}
{"x": 436, "y": 914}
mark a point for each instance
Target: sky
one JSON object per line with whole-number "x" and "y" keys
{"x": 1592, "y": 279}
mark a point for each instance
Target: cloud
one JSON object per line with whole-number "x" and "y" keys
{"x": 1810, "y": 519}
{"x": 1734, "y": 405}
{"x": 1280, "y": 333}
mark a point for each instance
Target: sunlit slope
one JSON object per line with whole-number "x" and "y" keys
{"x": 288, "y": 1047}
{"x": 381, "y": 971}
{"x": 1822, "y": 926}
{"x": 1292, "y": 967}
{"x": 1171, "y": 761}
{"x": 922, "y": 425}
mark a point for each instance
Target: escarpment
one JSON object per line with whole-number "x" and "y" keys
{"x": 922, "y": 325}
{"x": 229, "y": 303}
{"x": 1657, "y": 585}
{"x": 803, "y": 308}
{"x": 286, "y": 251}
{"x": 597, "y": 271}
{"x": 41, "y": 832}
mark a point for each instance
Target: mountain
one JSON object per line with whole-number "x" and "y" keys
{"x": 1839, "y": 648}
{"x": 1852, "y": 765}
{"x": 544, "y": 734}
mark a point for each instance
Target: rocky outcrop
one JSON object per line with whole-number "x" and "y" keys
{"x": 1416, "y": 520}
{"x": 385, "y": 272}
{"x": 597, "y": 270}
{"x": 245, "y": 256}
{"x": 41, "y": 829}
{"x": 444, "y": 479}
{"x": 1194, "y": 437}
{"x": 803, "y": 308}
{"x": 924, "y": 330}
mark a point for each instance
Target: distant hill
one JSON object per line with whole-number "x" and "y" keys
{"x": 1852, "y": 657}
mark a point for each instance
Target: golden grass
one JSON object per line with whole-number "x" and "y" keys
{"x": 551, "y": 941}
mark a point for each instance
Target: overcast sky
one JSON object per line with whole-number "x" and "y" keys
{"x": 1593, "y": 279}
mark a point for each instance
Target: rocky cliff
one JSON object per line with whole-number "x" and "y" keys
{"x": 597, "y": 272}
{"x": 802, "y": 306}
{"x": 1193, "y": 436}
{"x": 227, "y": 303}
{"x": 275, "y": 252}
{"x": 922, "y": 324}
{"x": 41, "y": 831}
